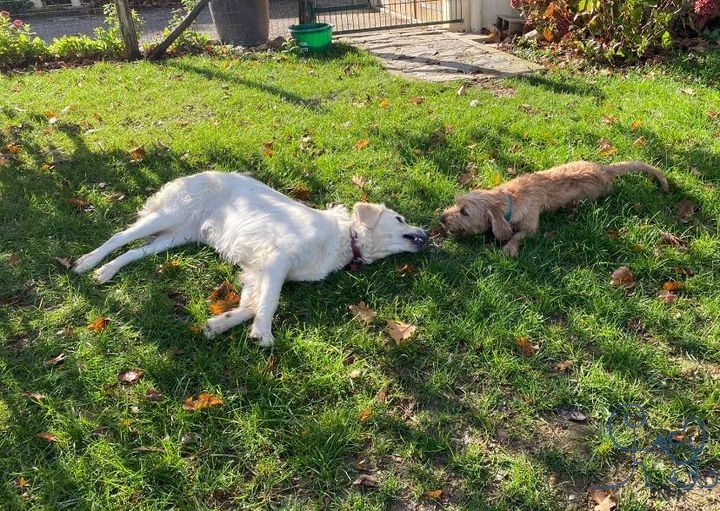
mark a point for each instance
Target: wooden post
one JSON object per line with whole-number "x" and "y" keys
{"x": 127, "y": 30}
{"x": 304, "y": 11}
{"x": 160, "y": 49}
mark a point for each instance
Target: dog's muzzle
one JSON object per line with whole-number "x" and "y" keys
{"x": 418, "y": 239}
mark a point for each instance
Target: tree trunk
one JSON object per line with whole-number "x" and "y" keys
{"x": 304, "y": 11}
{"x": 127, "y": 29}
{"x": 160, "y": 49}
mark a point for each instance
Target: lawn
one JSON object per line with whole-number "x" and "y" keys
{"x": 499, "y": 398}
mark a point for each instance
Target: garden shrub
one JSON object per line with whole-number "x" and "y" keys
{"x": 18, "y": 46}
{"x": 616, "y": 30}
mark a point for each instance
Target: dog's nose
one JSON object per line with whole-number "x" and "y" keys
{"x": 418, "y": 239}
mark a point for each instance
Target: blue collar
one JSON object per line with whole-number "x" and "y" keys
{"x": 508, "y": 208}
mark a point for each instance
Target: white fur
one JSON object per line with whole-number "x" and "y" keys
{"x": 270, "y": 236}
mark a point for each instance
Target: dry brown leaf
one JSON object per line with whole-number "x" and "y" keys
{"x": 685, "y": 210}
{"x": 21, "y": 482}
{"x": 65, "y": 262}
{"x": 12, "y": 148}
{"x": 673, "y": 285}
{"x": 361, "y": 144}
{"x": 365, "y": 481}
{"x": 667, "y": 297}
{"x": 51, "y": 117}
{"x": 169, "y": 265}
{"x": 606, "y": 148}
{"x": 615, "y": 234}
{"x": 154, "y": 395}
{"x": 360, "y": 181}
{"x": 433, "y": 494}
{"x": 301, "y": 193}
{"x": 635, "y": 125}
{"x": 14, "y": 259}
{"x": 363, "y": 313}
{"x": 640, "y": 142}
{"x": 99, "y": 324}
{"x": 57, "y": 359}
{"x": 417, "y": 100}
{"x": 563, "y": 366}
{"x": 622, "y": 277}
{"x": 688, "y": 91}
{"x": 223, "y": 298}
{"x": 47, "y": 436}
{"x": 195, "y": 329}
{"x": 466, "y": 178}
{"x": 604, "y": 499}
{"x": 272, "y": 363}
{"x": 527, "y": 348}
{"x": 674, "y": 240}
{"x": 137, "y": 153}
{"x": 365, "y": 414}
{"x": 267, "y": 148}
{"x": 78, "y": 202}
{"x": 204, "y": 400}
{"x": 407, "y": 269}
{"x": 131, "y": 377}
{"x": 399, "y": 331}
{"x": 548, "y": 34}
{"x": 382, "y": 394}
{"x": 384, "y": 103}
{"x": 37, "y": 396}
{"x": 462, "y": 89}
{"x": 609, "y": 119}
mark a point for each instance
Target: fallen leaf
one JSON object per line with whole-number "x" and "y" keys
{"x": 51, "y": 117}
{"x": 137, "y": 153}
{"x": 527, "y": 348}
{"x": 365, "y": 414}
{"x": 674, "y": 240}
{"x": 21, "y": 482}
{"x": 204, "y": 400}
{"x": 272, "y": 363}
{"x": 548, "y": 34}
{"x": 131, "y": 377}
{"x": 14, "y": 260}
{"x": 360, "y": 181}
{"x": 267, "y": 149}
{"x": 609, "y": 119}
{"x": 154, "y": 395}
{"x": 406, "y": 269}
{"x": 65, "y": 262}
{"x": 364, "y": 465}
{"x": 115, "y": 197}
{"x": 99, "y": 324}
{"x": 361, "y": 144}
{"x": 673, "y": 285}
{"x": 622, "y": 277}
{"x": 606, "y": 148}
{"x": 667, "y": 297}
{"x": 223, "y": 298}
{"x": 363, "y": 313}
{"x": 79, "y": 203}
{"x": 400, "y": 331}
{"x": 195, "y": 329}
{"x": 417, "y": 100}
{"x": 34, "y": 395}
{"x": 640, "y": 142}
{"x": 466, "y": 178}
{"x": 57, "y": 359}
{"x": 301, "y": 193}
{"x": 563, "y": 366}
{"x": 384, "y": 103}
{"x": 433, "y": 494}
{"x": 688, "y": 91}
{"x": 169, "y": 265}
{"x": 685, "y": 210}
{"x": 47, "y": 436}
{"x": 635, "y": 125}
{"x": 365, "y": 481}
{"x": 571, "y": 414}
{"x": 355, "y": 374}
{"x": 615, "y": 234}
{"x": 12, "y": 148}
{"x": 604, "y": 499}
{"x": 462, "y": 89}
{"x": 382, "y": 394}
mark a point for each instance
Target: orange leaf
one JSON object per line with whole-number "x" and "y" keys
{"x": 622, "y": 277}
{"x": 12, "y": 148}
{"x": 606, "y": 148}
{"x": 365, "y": 414}
{"x": 21, "y": 482}
{"x": 635, "y": 125}
{"x": 384, "y": 103}
{"x": 204, "y": 400}
{"x": 195, "y": 329}
{"x": 137, "y": 153}
{"x": 548, "y": 34}
{"x": 223, "y": 298}
{"x": 99, "y": 324}
{"x": 433, "y": 494}
{"x": 361, "y": 144}
{"x": 673, "y": 285}
{"x": 78, "y": 203}
{"x": 47, "y": 436}
{"x": 406, "y": 269}
{"x": 640, "y": 142}
{"x": 527, "y": 348}
{"x": 267, "y": 148}
{"x": 400, "y": 331}
{"x": 549, "y": 11}
{"x": 51, "y": 117}
{"x": 363, "y": 313}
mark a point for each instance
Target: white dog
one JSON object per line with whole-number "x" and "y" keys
{"x": 270, "y": 236}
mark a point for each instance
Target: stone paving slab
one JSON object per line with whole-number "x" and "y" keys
{"x": 435, "y": 54}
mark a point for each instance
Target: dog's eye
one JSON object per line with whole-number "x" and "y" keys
{"x": 400, "y": 219}
{"x": 463, "y": 212}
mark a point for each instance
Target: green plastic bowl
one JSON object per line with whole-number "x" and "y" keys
{"x": 312, "y": 37}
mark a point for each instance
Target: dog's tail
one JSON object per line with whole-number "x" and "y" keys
{"x": 623, "y": 167}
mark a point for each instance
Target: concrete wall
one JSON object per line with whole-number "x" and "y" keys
{"x": 481, "y": 14}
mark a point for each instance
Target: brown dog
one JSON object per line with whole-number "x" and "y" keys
{"x": 512, "y": 210}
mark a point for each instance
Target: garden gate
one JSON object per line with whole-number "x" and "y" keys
{"x": 348, "y": 16}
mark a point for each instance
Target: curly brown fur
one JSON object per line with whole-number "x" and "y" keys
{"x": 512, "y": 210}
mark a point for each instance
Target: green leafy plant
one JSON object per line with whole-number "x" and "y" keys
{"x": 18, "y": 45}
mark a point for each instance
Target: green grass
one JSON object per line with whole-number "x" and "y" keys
{"x": 466, "y": 412}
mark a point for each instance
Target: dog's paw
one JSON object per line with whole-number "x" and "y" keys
{"x": 83, "y": 264}
{"x": 209, "y": 330}
{"x": 264, "y": 338}
{"x": 510, "y": 250}
{"x": 104, "y": 274}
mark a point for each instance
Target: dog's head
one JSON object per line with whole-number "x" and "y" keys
{"x": 382, "y": 232}
{"x": 477, "y": 212}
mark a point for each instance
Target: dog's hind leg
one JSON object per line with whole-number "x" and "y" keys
{"x": 270, "y": 285}
{"x": 234, "y": 317}
{"x": 158, "y": 244}
{"x": 153, "y": 223}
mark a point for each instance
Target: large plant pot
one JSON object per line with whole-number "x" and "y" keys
{"x": 241, "y": 22}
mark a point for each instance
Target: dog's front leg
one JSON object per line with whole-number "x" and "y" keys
{"x": 270, "y": 283}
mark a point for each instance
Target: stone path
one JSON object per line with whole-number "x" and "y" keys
{"x": 425, "y": 53}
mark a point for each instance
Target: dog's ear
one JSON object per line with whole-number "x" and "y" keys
{"x": 501, "y": 228}
{"x": 367, "y": 213}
